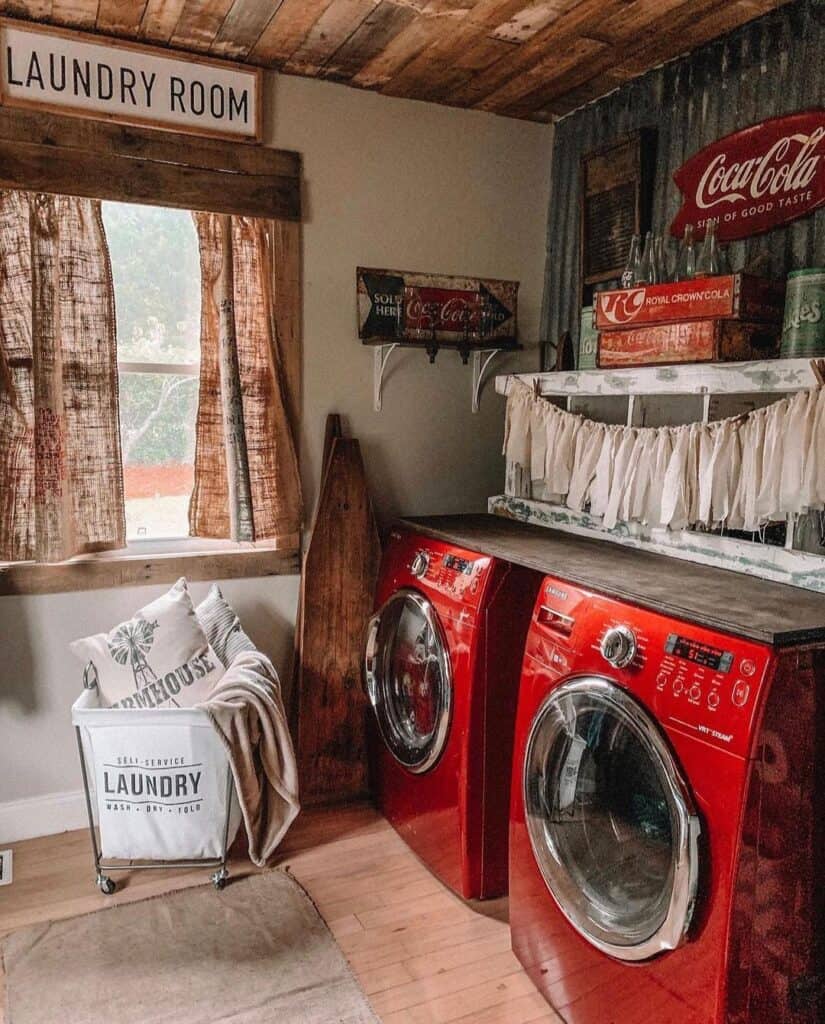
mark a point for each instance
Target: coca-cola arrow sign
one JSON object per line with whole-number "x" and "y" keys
{"x": 755, "y": 179}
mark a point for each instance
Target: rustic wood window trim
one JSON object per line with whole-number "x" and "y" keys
{"x": 98, "y": 160}
{"x": 93, "y": 572}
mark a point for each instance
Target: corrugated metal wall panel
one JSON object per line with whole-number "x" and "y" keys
{"x": 772, "y": 66}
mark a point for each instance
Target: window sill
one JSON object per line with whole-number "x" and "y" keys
{"x": 140, "y": 568}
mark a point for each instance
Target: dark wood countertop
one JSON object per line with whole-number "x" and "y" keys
{"x": 744, "y": 605}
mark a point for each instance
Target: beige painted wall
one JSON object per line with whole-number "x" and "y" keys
{"x": 388, "y": 183}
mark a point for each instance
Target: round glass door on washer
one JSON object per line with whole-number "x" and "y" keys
{"x": 442, "y": 703}
{"x": 631, "y": 761}
{"x": 409, "y": 679}
{"x": 610, "y": 820}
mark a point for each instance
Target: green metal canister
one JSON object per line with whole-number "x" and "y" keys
{"x": 803, "y": 329}
{"x": 588, "y": 340}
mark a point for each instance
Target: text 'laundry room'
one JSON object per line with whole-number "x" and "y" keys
{"x": 412, "y": 512}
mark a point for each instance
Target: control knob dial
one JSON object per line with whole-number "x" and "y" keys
{"x": 420, "y": 564}
{"x": 618, "y": 646}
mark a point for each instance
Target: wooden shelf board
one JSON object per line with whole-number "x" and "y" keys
{"x": 768, "y": 376}
{"x": 795, "y": 568}
{"x": 505, "y": 344}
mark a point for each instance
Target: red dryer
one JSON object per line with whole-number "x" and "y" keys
{"x": 442, "y": 659}
{"x": 667, "y": 829}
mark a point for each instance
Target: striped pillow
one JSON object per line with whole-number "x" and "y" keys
{"x": 222, "y": 626}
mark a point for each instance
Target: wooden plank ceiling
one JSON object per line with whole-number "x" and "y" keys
{"x": 532, "y": 59}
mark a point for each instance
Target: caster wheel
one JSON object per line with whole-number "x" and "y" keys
{"x": 219, "y": 879}
{"x": 106, "y": 885}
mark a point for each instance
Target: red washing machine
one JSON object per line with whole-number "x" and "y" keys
{"x": 443, "y": 654}
{"x": 667, "y": 834}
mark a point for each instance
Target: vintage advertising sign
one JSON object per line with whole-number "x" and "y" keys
{"x": 755, "y": 179}
{"x": 734, "y": 296}
{"x": 404, "y": 306}
{"x": 68, "y": 73}
{"x": 694, "y": 341}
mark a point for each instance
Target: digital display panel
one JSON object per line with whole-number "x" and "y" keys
{"x": 701, "y": 654}
{"x": 459, "y": 564}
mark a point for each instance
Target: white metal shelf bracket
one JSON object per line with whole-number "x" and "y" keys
{"x": 480, "y": 365}
{"x": 381, "y": 355}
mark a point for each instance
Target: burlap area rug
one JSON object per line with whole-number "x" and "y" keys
{"x": 256, "y": 952}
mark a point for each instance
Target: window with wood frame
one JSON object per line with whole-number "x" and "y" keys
{"x": 205, "y": 370}
{"x": 156, "y": 273}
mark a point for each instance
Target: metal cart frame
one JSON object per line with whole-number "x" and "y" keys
{"x": 103, "y": 880}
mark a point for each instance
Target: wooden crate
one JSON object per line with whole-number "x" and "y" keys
{"x": 730, "y": 297}
{"x": 696, "y": 341}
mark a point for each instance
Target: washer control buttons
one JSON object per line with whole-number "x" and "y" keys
{"x": 618, "y": 646}
{"x": 662, "y": 679}
{"x": 695, "y": 692}
{"x": 713, "y": 700}
{"x": 678, "y": 686}
{"x": 748, "y": 667}
{"x": 420, "y": 564}
{"x": 740, "y": 693}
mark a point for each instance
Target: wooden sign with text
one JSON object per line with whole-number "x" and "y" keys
{"x": 693, "y": 341}
{"x": 729, "y": 296}
{"x": 69, "y": 73}
{"x": 755, "y": 179}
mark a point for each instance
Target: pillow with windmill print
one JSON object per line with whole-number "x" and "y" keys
{"x": 160, "y": 658}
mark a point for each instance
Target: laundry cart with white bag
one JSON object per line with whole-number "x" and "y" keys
{"x": 159, "y": 786}
{"x": 156, "y": 773}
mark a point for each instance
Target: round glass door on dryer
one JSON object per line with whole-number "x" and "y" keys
{"x": 610, "y": 820}
{"x": 409, "y": 680}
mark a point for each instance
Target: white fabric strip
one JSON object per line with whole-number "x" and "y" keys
{"x": 739, "y": 473}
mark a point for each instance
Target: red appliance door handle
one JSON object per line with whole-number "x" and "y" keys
{"x": 371, "y": 659}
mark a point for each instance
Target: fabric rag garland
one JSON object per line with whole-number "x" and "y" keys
{"x": 736, "y": 473}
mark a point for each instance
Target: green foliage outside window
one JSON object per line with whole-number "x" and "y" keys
{"x": 156, "y": 273}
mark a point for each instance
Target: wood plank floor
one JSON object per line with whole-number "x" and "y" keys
{"x": 422, "y": 955}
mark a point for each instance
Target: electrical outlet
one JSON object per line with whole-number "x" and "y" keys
{"x": 5, "y": 867}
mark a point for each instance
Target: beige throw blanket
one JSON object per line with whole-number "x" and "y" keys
{"x": 247, "y": 712}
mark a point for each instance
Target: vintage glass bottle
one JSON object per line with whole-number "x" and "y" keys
{"x": 647, "y": 271}
{"x": 633, "y": 259}
{"x": 686, "y": 263}
{"x": 708, "y": 263}
{"x": 660, "y": 260}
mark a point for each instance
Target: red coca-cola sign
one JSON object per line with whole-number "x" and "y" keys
{"x": 755, "y": 179}
{"x": 403, "y": 306}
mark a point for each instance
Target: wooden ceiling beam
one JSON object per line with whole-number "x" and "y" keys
{"x": 160, "y": 19}
{"x": 580, "y": 18}
{"x": 432, "y": 74}
{"x": 34, "y": 10}
{"x": 716, "y": 21}
{"x": 678, "y": 33}
{"x": 369, "y": 39}
{"x": 525, "y": 24}
{"x": 600, "y": 64}
{"x": 578, "y": 53}
{"x": 120, "y": 17}
{"x": 329, "y": 33}
{"x": 78, "y": 14}
{"x": 199, "y": 23}
{"x": 287, "y": 30}
{"x": 241, "y": 28}
{"x": 405, "y": 47}
{"x": 532, "y": 59}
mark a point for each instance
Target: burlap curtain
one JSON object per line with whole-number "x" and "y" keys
{"x": 61, "y": 480}
{"x": 247, "y": 485}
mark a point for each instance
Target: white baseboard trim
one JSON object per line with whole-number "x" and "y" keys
{"x": 42, "y": 816}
